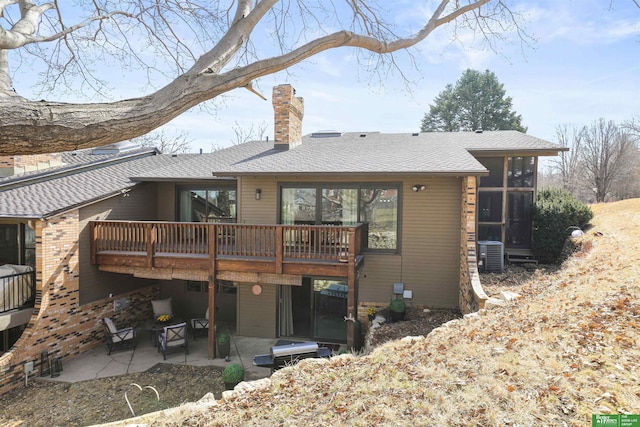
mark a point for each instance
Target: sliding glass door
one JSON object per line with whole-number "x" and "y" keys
{"x": 315, "y": 310}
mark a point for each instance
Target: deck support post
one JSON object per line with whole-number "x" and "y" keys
{"x": 212, "y": 234}
{"x": 352, "y": 309}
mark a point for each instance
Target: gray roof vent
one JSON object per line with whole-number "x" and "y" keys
{"x": 363, "y": 135}
{"x": 479, "y": 130}
{"x": 326, "y": 134}
{"x": 415, "y": 134}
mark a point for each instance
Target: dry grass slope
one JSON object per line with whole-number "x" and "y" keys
{"x": 567, "y": 349}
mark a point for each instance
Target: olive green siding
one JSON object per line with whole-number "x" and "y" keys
{"x": 379, "y": 272}
{"x": 431, "y": 242}
{"x": 166, "y": 201}
{"x": 429, "y": 257}
{"x": 256, "y": 313}
{"x": 138, "y": 204}
{"x": 252, "y": 211}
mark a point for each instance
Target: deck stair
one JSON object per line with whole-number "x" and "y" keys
{"x": 521, "y": 258}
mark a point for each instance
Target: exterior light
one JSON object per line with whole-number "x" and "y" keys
{"x": 258, "y": 193}
{"x": 418, "y": 187}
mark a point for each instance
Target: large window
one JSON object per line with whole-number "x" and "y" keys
{"x": 519, "y": 216}
{"x": 495, "y": 165}
{"x": 207, "y": 204}
{"x": 9, "y": 244}
{"x": 521, "y": 171}
{"x": 374, "y": 205}
{"x": 379, "y": 210}
{"x": 17, "y": 244}
{"x": 490, "y": 206}
{"x": 298, "y": 206}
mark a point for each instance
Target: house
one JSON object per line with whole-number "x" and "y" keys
{"x": 284, "y": 238}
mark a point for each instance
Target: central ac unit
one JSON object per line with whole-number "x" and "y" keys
{"x": 491, "y": 256}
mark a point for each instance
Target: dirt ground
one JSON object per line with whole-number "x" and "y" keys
{"x": 48, "y": 403}
{"x": 103, "y": 400}
{"x": 417, "y": 322}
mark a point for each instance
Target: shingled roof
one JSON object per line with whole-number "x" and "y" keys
{"x": 360, "y": 153}
{"x": 44, "y": 194}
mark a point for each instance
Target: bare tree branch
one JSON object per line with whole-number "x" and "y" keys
{"x": 34, "y": 127}
{"x": 179, "y": 142}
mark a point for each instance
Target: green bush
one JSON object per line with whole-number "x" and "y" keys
{"x": 223, "y": 338}
{"x": 398, "y": 305}
{"x": 555, "y": 215}
{"x": 233, "y": 373}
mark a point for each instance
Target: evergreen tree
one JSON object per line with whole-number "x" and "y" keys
{"x": 477, "y": 101}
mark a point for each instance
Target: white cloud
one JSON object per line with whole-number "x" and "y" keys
{"x": 590, "y": 22}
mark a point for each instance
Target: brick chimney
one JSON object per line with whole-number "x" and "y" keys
{"x": 288, "y": 112}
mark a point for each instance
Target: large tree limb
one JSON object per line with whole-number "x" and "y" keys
{"x": 243, "y": 24}
{"x": 36, "y": 127}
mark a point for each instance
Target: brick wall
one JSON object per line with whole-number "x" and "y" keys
{"x": 60, "y": 325}
{"x": 20, "y": 164}
{"x": 472, "y": 296}
{"x": 288, "y": 111}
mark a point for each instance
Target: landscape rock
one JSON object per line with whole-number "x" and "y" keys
{"x": 509, "y": 296}
{"x": 492, "y": 302}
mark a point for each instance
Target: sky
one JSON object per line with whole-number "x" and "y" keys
{"x": 584, "y": 64}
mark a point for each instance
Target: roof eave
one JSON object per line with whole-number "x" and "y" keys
{"x": 523, "y": 152}
{"x": 345, "y": 173}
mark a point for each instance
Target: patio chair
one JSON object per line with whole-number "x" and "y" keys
{"x": 200, "y": 324}
{"x": 124, "y": 337}
{"x": 173, "y": 336}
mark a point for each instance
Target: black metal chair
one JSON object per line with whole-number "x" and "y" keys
{"x": 173, "y": 336}
{"x": 200, "y": 324}
{"x": 125, "y": 337}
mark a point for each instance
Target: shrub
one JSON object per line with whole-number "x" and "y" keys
{"x": 398, "y": 305}
{"x": 233, "y": 373}
{"x": 223, "y": 338}
{"x": 555, "y": 215}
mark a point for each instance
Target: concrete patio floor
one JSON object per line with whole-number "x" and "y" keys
{"x": 96, "y": 363}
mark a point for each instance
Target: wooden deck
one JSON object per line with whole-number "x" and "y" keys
{"x": 275, "y": 254}
{"x": 240, "y": 248}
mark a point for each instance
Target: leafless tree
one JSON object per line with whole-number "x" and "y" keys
{"x": 567, "y": 164}
{"x": 212, "y": 46}
{"x": 607, "y": 155}
{"x": 633, "y": 128}
{"x": 179, "y": 142}
{"x": 251, "y": 132}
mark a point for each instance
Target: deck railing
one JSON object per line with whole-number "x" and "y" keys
{"x": 17, "y": 291}
{"x": 309, "y": 242}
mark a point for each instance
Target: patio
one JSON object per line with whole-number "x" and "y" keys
{"x": 96, "y": 363}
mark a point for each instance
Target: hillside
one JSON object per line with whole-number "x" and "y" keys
{"x": 568, "y": 348}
